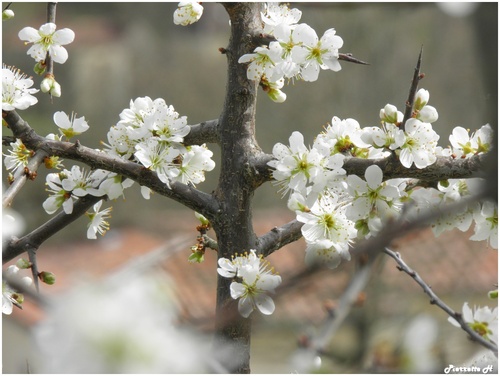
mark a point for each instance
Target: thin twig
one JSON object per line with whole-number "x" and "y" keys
{"x": 351, "y": 59}
{"x": 434, "y": 299}
{"x": 333, "y": 322}
{"x": 34, "y": 266}
{"x": 32, "y": 166}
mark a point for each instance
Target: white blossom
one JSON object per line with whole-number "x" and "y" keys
{"x": 96, "y": 325}
{"x": 254, "y": 280}
{"x": 419, "y": 146}
{"x": 70, "y": 126}
{"x": 486, "y": 227}
{"x": 279, "y": 16}
{"x": 59, "y": 197}
{"x": 194, "y": 162}
{"x": 47, "y": 39}
{"x": 263, "y": 62}
{"x": 158, "y": 157}
{"x": 465, "y": 145}
{"x": 374, "y": 199}
{"x": 11, "y": 297}
{"x": 98, "y": 223}
{"x": 312, "y": 53}
{"x": 16, "y": 90}
{"x": 327, "y": 221}
{"x": 17, "y": 157}
{"x": 187, "y": 13}
{"x": 295, "y": 166}
{"x": 483, "y": 320}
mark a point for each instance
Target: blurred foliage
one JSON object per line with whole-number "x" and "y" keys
{"x": 126, "y": 50}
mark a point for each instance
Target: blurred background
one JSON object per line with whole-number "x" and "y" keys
{"x": 126, "y": 50}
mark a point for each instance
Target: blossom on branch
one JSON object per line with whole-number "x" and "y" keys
{"x": 18, "y": 156}
{"x": 295, "y": 166}
{"x": 465, "y": 145}
{"x": 47, "y": 40}
{"x": 420, "y": 144}
{"x": 483, "y": 321}
{"x": 374, "y": 200}
{"x": 326, "y": 220}
{"x": 253, "y": 280}
{"x": 193, "y": 164}
{"x": 158, "y": 157}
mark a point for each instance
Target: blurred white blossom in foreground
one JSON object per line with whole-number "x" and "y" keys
{"x": 124, "y": 327}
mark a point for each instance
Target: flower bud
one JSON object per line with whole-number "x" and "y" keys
{"x": 389, "y": 114}
{"x": 7, "y": 14}
{"x": 39, "y": 68}
{"x": 428, "y": 114}
{"x": 47, "y": 277}
{"x": 23, "y": 264}
{"x": 202, "y": 219}
{"x": 276, "y": 95}
{"x": 46, "y": 84}
{"x": 421, "y": 99}
{"x": 56, "y": 90}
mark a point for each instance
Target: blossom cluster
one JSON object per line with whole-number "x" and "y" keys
{"x": 253, "y": 279}
{"x": 337, "y": 209}
{"x": 296, "y": 53}
{"x": 16, "y": 87}
{"x": 149, "y": 132}
{"x": 152, "y": 134}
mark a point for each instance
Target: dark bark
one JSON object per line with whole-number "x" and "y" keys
{"x": 237, "y": 182}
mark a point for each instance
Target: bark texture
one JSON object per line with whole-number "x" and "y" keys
{"x": 237, "y": 182}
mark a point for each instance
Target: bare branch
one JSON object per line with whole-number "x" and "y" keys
{"x": 278, "y": 237}
{"x": 333, "y": 322}
{"x": 19, "y": 181}
{"x": 34, "y": 267}
{"x": 351, "y": 59}
{"x": 204, "y": 132}
{"x": 402, "y": 266}
{"x": 34, "y": 239}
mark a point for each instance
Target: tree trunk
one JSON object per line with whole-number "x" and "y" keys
{"x": 233, "y": 224}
